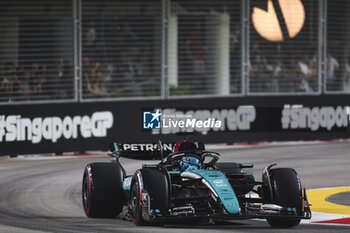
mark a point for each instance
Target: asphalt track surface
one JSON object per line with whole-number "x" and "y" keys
{"x": 44, "y": 195}
{"x": 340, "y": 198}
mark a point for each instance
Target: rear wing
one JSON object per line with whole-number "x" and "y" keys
{"x": 145, "y": 151}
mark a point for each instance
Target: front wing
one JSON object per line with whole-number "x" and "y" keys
{"x": 248, "y": 211}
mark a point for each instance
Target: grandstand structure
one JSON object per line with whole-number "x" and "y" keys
{"x": 76, "y": 51}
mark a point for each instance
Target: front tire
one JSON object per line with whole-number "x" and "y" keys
{"x": 136, "y": 206}
{"x": 287, "y": 192}
{"x": 102, "y": 192}
{"x": 155, "y": 184}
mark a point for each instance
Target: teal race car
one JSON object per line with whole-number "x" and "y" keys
{"x": 190, "y": 183}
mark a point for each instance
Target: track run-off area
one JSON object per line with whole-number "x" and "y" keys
{"x": 43, "y": 194}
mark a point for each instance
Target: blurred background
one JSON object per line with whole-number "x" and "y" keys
{"x": 72, "y": 50}
{"x": 184, "y": 55}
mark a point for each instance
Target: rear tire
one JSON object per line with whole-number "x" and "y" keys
{"x": 287, "y": 192}
{"x": 102, "y": 192}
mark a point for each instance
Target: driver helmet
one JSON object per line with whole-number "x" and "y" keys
{"x": 189, "y": 163}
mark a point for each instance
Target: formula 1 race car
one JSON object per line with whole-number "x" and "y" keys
{"x": 190, "y": 183}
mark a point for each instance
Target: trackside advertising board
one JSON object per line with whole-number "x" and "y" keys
{"x": 78, "y": 127}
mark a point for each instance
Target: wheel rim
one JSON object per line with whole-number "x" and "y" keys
{"x": 85, "y": 192}
{"x": 134, "y": 199}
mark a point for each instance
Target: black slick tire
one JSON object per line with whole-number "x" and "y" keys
{"x": 102, "y": 192}
{"x": 287, "y": 192}
{"x": 155, "y": 183}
